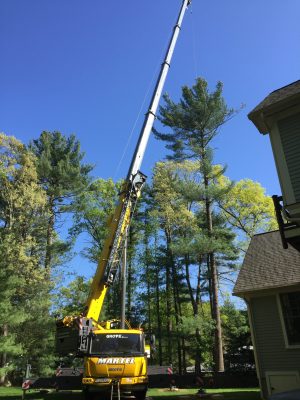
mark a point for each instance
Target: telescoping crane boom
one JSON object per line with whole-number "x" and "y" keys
{"x": 115, "y": 357}
{"x": 131, "y": 189}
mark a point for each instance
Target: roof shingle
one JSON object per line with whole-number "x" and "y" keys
{"x": 267, "y": 265}
{"x": 275, "y": 101}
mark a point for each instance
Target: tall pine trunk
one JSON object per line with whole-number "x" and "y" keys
{"x": 194, "y": 302}
{"x": 3, "y": 356}
{"x": 218, "y": 342}
{"x": 189, "y": 285}
{"x": 147, "y": 265}
{"x": 176, "y": 307}
{"x": 168, "y": 305}
{"x": 183, "y": 354}
{"x": 158, "y": 317}
{"x": 49, "y": 238}
{"x": 218, "y": 345}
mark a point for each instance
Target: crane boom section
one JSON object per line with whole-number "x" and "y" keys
{"x": 151, "y": 114}
{"x": 99, "y": 285}
{"x": 111, "y": 254}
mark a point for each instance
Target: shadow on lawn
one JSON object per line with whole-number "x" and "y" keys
{"x": 48, "y": 396}
{"x": 242, "y": 395}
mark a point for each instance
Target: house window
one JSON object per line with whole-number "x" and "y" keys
{"x": 290, "y": 304}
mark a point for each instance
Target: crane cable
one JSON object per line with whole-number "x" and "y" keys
{"x": 150, "y": 86}
{"x": 133, "y": 127}
{"x": 194, "y": 43}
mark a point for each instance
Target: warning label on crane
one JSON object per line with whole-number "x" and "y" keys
{"x": 86, "y": 326}
{"x": 26, "y": 384}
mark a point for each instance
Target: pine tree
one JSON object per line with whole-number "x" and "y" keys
{"x": 175, "y": 219}
{"x": 23, "y": 216}
{"x": 195, "y": 121}
{"x": 92, "y": 210}
{"x": 63, "y": 176}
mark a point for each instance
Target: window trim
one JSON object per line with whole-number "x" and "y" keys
{"x": 283, "y": 327}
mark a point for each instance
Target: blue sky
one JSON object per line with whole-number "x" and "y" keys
{"x": 84, "y": 67}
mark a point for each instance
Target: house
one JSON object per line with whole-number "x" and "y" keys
{"x": 278, "y": 115}
{"x": 269, "y": 282}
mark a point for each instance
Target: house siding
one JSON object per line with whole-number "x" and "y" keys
{"x": 271, "y": 351}
{"x": 290, "y": 139}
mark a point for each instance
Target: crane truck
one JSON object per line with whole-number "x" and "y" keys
{"x": 115, "y": 359}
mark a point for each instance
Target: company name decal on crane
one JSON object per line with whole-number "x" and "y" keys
{"x": 116, "y": 337}
{"x": 115, "y": 361}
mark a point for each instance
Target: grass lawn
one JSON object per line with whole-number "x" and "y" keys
{"x": 228, "y": 394}
{"x": 156, "y": 394}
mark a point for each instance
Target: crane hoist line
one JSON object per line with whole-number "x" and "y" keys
{"x": 116, "y": 358}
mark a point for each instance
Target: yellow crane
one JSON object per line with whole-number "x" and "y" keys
{"x": 115, "y": 358}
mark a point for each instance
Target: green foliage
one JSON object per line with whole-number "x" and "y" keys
{"x": 93, "y": 208}
{"x": 184, "y": 230}
{"x": 172, "y": 208}
{"x": 22, "y": 224}
{"x": 37, "y": 184}
{"x": 236, "y": 326}
{"x": 247, "y": 208}
{"x": 71, "y": 299}
{"x": 204, "y": 325}
{"x": 37, "y": 333}
{"x": 237, "y": 339}
{"x": 59, "y": 165}
{"x": 63, "y": 176}
{"x": 195, "y": 121}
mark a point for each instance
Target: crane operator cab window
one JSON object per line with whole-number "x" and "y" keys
{"x": 117, "y": 344}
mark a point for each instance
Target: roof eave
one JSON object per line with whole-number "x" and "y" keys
{"x": 260, "y": 116}
{"x": 254, "y": 291}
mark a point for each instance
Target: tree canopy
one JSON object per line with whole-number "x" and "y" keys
{"x": 190, "y": 229}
